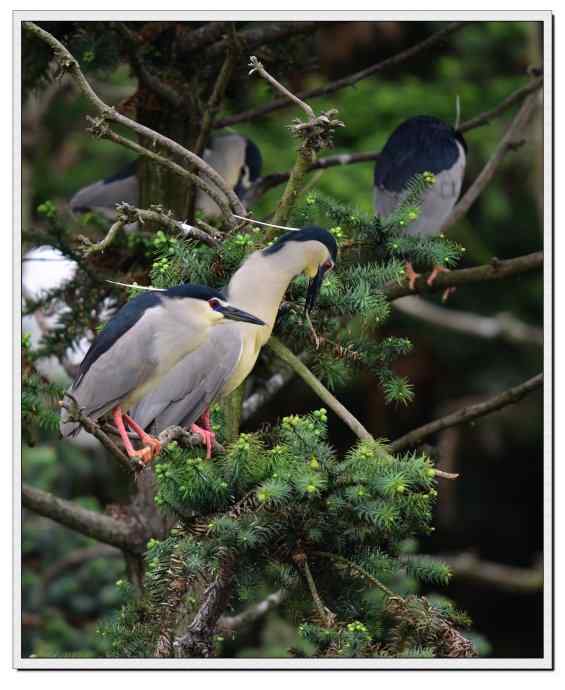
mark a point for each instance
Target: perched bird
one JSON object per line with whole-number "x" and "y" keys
{"x": 421, "y": 144}
{"x": 236, "y": 158}
{"x": 138, "y": 347}
{"x": 216, "y": 368}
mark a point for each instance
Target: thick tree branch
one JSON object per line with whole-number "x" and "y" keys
{"x": 197, "y": 641}
{"x": 68, "y": 64}
{"x": 466, "y": 414}
{"x": 503, "y": 326}
{"x": 318, "y": 387}
{"x": 350, "y": 80}
{"x": 494, "y": 270}
{"x": 87, "y": 522}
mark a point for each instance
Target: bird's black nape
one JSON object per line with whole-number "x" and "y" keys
{"x": 306, "y": 234}
{"x": 253, "y": 160}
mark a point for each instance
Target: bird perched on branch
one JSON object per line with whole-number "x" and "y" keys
{"x": 236, "y": 158}
{"x": 138, "y": 347}
{"x": 216, "y": 368}
{"x": 418, "y": 145}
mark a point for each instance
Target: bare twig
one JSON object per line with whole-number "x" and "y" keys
{"x": 228, "y": 624}
{"x": 90, "y": 247}
{"x": 350, "y": 80}
{"x": 101, "y": 527}
{"x": 68, "y": 64}
{"x": 268, "y": 33}
{"x": 327, "y": 617}
{"x": 508, "y": 142}
{"x": 318, "y": 387}
{"x": 494, "y": 270}
{"x": 503, "y": 326}
{"x": 77, "y": 557}
{"x": 76, "y": 414}
{"x": 466, "y": 414}
{"x": 489, "y": 115}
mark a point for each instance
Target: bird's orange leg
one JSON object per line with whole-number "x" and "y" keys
{"x": 147, "y": 439}
{"x": 144, "y": 454}
{"x": 205, "y": 432}
{"x": 434, "y": 274}
{"x": 411, "y": 275}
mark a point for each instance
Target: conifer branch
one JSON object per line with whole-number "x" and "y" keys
{"x": 318, "y": 387}
{"x": 350, "y": 80}
{"x": 465, "y": 414}
{"x": 101, "y": 527}
{"x": 326, "y": 616}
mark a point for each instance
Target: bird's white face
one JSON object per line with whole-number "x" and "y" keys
{"x": 317, "y": 256}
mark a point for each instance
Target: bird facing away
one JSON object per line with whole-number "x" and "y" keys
{"x": 421, "y": 144}
{"x": 236, "y": 158}
{"x": 216, "y": 368}
{"x": 138, "y": 347}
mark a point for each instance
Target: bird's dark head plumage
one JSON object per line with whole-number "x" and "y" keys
{"x": 307, "y": 234}
{"x": 253, "y": 160}
{"x": 420, "y": 144}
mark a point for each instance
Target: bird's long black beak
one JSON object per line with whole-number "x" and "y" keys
{"x": 314, "y": 290}
{"x": 236, "y": 314}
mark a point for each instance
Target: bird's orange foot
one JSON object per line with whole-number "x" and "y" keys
{"x": 433, "y": 275}
{"x": 411, "y": 275}
{"x": 145, "y": 454}
{"x": 208, "y": 438}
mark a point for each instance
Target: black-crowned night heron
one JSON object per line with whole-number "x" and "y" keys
{"x": 236, "y": 158}
{"x": 216, "y": 368}
{"x": 136, "y": 350}
{"x": 421, "y": 144}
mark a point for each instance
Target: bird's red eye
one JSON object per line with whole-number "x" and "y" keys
{"x": 328, "y": 265}
{"x": 214, "y": 302}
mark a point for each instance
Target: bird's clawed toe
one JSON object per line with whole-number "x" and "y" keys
{"x": 411, "y": 275}
{"x": 208, "y": 438}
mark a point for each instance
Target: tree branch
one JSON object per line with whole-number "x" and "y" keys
{"x": 509, "y": 397}
{"x": 503, "y": 326}
{"x": 197, "y": 640}
{"x": 87, "y": 522}
{"x": 228, "y": 624}
{"x": 318, "y": 387}
{"x": 68, "y": 64}
{"x": 486, "y": 117}
{"x": 269, "y": 33}
{"x": 494, "y": 270}
{"x": 468, "y": 566}
{"x": 350, "y": 80}
{"x": 508, "y": 142}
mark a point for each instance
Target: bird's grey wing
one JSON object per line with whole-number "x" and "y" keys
{"x": 111, "y": 378}
{"x": 385, "y": 202}
{"x": 106, "y": 194}
{"x": 194, "y": 383}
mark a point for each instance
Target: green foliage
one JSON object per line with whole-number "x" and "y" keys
{"x": 282, "y": 495}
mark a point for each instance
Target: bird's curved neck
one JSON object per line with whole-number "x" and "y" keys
{"x": 259, "y": 285}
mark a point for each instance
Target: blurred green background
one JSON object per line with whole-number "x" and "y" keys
{"x": 495, "y": 509}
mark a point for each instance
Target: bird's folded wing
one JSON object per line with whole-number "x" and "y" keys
{"x": 194, "y": 383}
